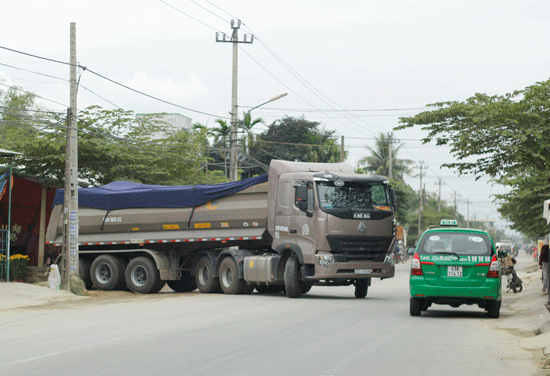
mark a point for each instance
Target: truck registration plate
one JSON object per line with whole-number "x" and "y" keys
{"x": 363, "y": 271}
{"x": 454, "y": 271}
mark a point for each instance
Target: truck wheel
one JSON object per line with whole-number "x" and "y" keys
{"x": 361, "y": 288}
{"x": 293, "y": 282}
{"x": 204, "y": 276}
{"x": 415, "y": 307}
{"x": 185, "y": 284}
{"x": 107, "y": 273}
{"x": 142, "y": 276}
{"x": 229, "y": 277}
{"x": 493, "y": 309}
{"x": 306, "y": 287}
{"x": 84, "y": 272}
{"x": 248, "y": 288}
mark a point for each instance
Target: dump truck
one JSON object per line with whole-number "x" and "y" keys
{"x": 300, "y": 225}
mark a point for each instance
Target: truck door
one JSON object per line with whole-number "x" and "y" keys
{"x": 302, "y": 222}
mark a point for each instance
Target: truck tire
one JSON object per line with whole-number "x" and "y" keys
{"x": 293, "y": 282}
{"x": 248, "y": 288}
{"x": 306, "y": 287}
{"x": 84, "y": 272}
{"x": 204, "y": 276}
{"x": 229, "y": 277}
{"x": 142, "y": 276}
{"x": 107, "y": 273}
{"x": 361, "y": 288}
{"x": 185, "y": 284}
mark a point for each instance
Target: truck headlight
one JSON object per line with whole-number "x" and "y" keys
{"x": 326, "y": 260}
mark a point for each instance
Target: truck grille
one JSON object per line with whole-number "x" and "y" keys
{"x": 358, "y": 248}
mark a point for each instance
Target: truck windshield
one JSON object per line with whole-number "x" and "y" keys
{"x": 352, "y": 196}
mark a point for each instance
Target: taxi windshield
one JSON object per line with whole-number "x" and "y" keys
{"x": 457, "y": 243}
{"x": 352, "y": 196}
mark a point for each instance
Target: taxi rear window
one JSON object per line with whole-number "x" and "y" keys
{"x": 456, "y": 243}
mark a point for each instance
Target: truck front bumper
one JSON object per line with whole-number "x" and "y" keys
{"x": 353, "y": 270}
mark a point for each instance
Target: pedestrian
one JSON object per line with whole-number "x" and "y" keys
{"x": 544, "y": 265}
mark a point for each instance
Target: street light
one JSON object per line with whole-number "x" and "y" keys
{"x": 233, "y": 162}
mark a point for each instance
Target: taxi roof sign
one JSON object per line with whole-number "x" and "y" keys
{"x": 449, "y": 222}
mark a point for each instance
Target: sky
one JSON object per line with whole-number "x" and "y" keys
{"x": 354, "y": 66}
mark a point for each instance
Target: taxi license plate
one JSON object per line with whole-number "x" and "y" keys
{"x": 363, "y": 271}
{"x": 454, "y": 271}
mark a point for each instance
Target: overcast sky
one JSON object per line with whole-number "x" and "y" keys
{"x": 354, "y": 66}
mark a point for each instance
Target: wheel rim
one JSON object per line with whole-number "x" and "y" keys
{"x": 103, "y": 273}
{"x": 204, "y": 275}
{"x": 139, "y": 276}
{"x": 227, "y": 277}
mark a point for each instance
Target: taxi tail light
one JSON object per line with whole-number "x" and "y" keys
{"x": 416, "y": 269}
{"x": 494, "y": 268}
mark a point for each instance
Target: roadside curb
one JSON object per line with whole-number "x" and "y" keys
{"x": 529, "y": 314}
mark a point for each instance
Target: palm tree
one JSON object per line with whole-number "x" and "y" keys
{"x": 378, "y": 162}
{"x": 222, "y": 136}
{"x": 247, "y": 125}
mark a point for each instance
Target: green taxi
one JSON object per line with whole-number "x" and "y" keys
{"x": 455, "y": 266}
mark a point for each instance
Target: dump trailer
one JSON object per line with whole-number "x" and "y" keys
{"x": 302, "y": 224}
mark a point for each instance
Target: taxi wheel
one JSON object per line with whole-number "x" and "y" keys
{"x": 415, "y": 307}
{"x": 493, "y": 309}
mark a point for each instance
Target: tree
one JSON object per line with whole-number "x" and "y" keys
{"x": 379, "y": 160}
{"x": 506, "y": 134}
{"x": 112, "y": 145}
{"x": 506, "y": 137}
{"x": 293, "y": 139}
{"x": 222, "y": 138}
{"x": 247, "y": 125}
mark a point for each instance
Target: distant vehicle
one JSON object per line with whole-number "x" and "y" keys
{"x": 508, "y": 246}
{"x": 455, "y": 266}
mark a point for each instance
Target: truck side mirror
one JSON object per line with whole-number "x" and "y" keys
{"x": 392, "y": 196}
{"x": 301, "y": 197}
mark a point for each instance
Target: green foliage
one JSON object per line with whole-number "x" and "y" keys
{"x": 506, "y": 137}
{"x": 379, "y": 160}
{"x": 294, "y": 139}
{"x": 112, "y": 145}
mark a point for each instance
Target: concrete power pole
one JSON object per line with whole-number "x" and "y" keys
{"x": 342, "y": 151}
{"x": 440, "y": 182}
{"x": 420, "y": 203}
{"x": 391, "y": 141}
{"x": 70, "y": 211}
{"x": 222, "y": 37}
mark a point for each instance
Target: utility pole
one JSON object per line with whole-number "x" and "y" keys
{"x": 390, "y": 156}
{"x": 454, "y": 195}
{"x": 420, "y": 203}
{"x": 441, "y": 182}
{"x": 248, "y": 38}
{"x": 468, "y": 213}
{"x": 342, "y": 153}
{"x": 70, "y": 207}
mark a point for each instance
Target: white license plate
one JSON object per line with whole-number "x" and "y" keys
{"x": 454, "y": 271}
{"x": 363, "y": 271}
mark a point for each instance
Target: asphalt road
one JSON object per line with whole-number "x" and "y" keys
{"x": 326, "y": 332}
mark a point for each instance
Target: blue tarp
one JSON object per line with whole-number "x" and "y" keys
{"x": 124, "y": 194}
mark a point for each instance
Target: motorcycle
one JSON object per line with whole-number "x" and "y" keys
{"x": 507, "y": 263}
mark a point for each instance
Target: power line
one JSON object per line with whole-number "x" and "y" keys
{"x": 188, "y": 15}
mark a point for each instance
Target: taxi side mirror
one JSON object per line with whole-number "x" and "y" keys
{"x": 411, "y": 250}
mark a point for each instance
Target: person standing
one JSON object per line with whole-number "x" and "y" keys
{"x": 544, "y": 265}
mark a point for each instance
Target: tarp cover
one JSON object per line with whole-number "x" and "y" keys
{"x": 124, "y": 194}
